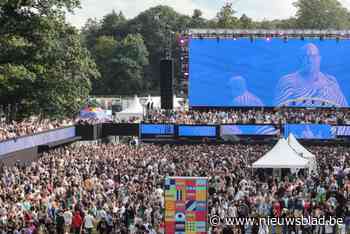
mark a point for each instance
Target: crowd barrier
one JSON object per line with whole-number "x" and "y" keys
{"x": 35, "y": 140}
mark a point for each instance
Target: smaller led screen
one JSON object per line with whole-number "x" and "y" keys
{"x": 342, "y": 130}
{"x": 309, "y": 131}
{"x": 157, "y": 129}
{"x": 227, "y": 130}
{"x": 197, "y": 131}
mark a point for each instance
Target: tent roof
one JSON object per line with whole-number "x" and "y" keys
{"x": 281, "y": 156}
{"x": 134, "y": 108}
{"x": 293, "y": 142}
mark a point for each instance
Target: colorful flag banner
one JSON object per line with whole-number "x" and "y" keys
{"x": 186, "y": 205}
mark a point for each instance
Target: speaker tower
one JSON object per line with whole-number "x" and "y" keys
{"x": 167, "y": 83}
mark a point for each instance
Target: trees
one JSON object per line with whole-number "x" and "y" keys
{"x": 321, "y": 14}
{"x": 121, "y": 64}
{"x": 43, "y": 66}
{"x": 158, "y": 26}
{"x": 197, "y": 21}
{"x": 225, "y": 17}
{"x": 246, "y": 22}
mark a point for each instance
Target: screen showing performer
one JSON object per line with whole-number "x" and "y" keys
{"x": 269, "y": 73}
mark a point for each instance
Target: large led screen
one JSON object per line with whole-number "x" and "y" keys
{"x": 274, "y": 72}
{"x": 229, "y": 130}
{"x": 310, "y": 131}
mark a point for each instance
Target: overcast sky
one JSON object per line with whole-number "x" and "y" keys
{"x": 257, "y": 9}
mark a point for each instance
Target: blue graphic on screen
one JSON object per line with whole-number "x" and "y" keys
{"x": 309, "y": 73}
{"x": 227, "y": 130}
{"x": 157, "y": 129}
{"x": 310, "y": 131}
{"x": 342, "y": 130}
{"x": 197, "y": 131}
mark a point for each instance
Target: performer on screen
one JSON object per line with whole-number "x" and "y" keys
{"x": 309, "y": 86}
{"x": 240, "y": 93}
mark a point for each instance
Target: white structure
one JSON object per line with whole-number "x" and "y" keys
{"x": 302, "y": 152}
{"x": 157, "y": 103}
{"x": 134, "y": 110}
{"x": 281, "y": 156}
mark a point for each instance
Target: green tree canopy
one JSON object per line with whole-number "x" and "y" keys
{"x": 43, "y": 66}
{"x": 225, "y": 17}
{"x": 321, "y": 14}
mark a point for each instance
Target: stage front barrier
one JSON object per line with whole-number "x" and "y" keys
{"x": 28, "y": 142}
{"x": 186, "y": 205}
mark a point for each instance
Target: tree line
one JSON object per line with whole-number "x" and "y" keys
{"x": 49, "y": 67}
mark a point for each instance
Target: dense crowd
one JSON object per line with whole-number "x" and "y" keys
{"x": 245, "y": 116}
{"x": 109, "y": 188}
{"x": 29, "y": 127}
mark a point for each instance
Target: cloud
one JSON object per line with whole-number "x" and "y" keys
{"x": 131, "y": 8}
{"x": 272, "y": 9}
{"x": 256, "y": 9}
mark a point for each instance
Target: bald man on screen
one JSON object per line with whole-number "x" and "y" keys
{"x": 309, "y": 86}
{"x": 241, "y": 95}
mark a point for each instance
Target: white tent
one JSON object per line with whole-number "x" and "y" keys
{"x": 281, "y": 156}
{"x": 134, "y": 110}
{"x": 302, "y": 152}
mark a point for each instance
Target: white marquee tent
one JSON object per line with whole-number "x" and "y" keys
{"x": 281, "y": 156}
{"x": 134, "y": 110}
{"x": 302, "y": 152}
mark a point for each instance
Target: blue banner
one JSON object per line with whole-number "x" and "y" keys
{"x": 310, "y": 131}
{"x": 197, "y": 131}
{"x": 227, "y": 130}
{"x": 157, "y": 129}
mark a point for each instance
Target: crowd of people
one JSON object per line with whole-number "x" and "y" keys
{"x": 28, "y": 127}
{"x": 245, "y": 116}
{"x": 118, "y": 188}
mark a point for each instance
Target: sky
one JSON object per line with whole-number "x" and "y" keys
{"x": 256, "y": 9}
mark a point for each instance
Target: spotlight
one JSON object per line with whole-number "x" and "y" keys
{"x": 268, "y": 38}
